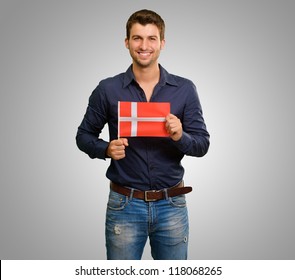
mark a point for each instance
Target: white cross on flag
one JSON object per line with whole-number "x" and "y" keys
{"x": 142, "y": 119}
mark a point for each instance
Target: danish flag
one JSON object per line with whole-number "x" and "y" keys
{"x": 147, "y": 119}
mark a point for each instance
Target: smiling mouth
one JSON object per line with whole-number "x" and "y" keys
{"x": 144, "y": 54}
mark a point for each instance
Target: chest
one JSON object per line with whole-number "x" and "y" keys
{"x": 176, "y": 96}
{"x": 148, "y": 90}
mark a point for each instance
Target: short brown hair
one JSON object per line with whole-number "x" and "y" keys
{"x": 145, "y": 17}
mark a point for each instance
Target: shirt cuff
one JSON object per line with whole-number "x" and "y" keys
{"x": 99, "y": 150}
{"x": 184, "y": 143}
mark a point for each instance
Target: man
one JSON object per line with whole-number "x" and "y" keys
{"x": 147, "y": 195}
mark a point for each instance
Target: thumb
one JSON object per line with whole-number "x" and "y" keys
{"x": 125, "y": 141}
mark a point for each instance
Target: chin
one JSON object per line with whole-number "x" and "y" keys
{"x": 144, "y": 64}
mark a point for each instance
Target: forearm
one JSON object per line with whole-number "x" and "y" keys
{"x": 90, "y": 144}
{"x": 193, "y": 145}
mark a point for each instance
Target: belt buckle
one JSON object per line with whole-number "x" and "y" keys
{"x": 149, "y": 199}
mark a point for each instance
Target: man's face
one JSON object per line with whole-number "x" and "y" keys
{"x": 144, "y": 44}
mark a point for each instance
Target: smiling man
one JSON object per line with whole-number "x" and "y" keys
{"x": 147, "y": 193}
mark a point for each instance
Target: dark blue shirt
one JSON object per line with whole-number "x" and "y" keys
{"x": 150, "y": 162}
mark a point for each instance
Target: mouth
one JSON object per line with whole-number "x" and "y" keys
{"x": 144, "y": 54}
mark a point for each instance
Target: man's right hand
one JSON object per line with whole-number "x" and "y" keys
{"x": 116, "y": 148}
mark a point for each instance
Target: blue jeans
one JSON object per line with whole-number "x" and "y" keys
{"x": 130, "y": 221}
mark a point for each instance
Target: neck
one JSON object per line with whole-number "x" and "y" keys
{"x": 146, "y": 74}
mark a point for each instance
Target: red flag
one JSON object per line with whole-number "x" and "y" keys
{"x": 142, "y": 119}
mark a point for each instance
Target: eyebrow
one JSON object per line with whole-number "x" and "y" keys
{"x": 150, "y": 36}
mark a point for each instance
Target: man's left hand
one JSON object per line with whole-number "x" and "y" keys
{"x": 174, "y": 127}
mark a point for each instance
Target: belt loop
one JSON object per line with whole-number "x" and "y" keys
{"x": 166, "y": 194}
{"x": 131, "y": 194}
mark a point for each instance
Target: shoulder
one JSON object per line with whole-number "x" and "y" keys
{"x": 108, "y": 86}
{"x": 182, "y": 81}
{"x": 184, "y": 85}
{"x": 112, "y": 81}
{"x": 177, "y": 80}
{"x": 105, "y": 87}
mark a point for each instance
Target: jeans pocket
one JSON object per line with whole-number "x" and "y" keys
{"x": 178, "y": 201}
{"x": 117, "y": 201}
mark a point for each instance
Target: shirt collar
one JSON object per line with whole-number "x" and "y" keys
{"x": 165, "y": 77}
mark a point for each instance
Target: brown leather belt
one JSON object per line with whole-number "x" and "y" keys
{"x": 152, "y": 195}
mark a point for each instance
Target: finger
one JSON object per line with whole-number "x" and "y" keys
{"x": 116, "y": 145}
{"x": 118, "y": 157}
{"x": 119, "y": 148}
{"x": 171, "y": 124}
{"x": 170, "y": 117}
{"x": 119, "y": 153}
{"x": 125, "y": 141}
{"x": 118, "y": 142}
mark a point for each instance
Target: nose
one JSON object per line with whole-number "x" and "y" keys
{"x": 144, "y": 44}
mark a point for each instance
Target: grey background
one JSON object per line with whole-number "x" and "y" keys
{"x": 240, "y": 54}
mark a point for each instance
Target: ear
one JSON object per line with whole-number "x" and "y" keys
{"x": 163, "y": 42}
{"x": 127, "y": 43}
